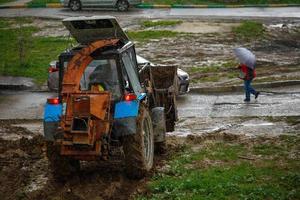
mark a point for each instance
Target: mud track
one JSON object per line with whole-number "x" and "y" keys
{"x": 25, "y": 173}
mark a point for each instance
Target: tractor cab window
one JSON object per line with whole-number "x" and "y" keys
{"x": 130, "y": 68}
{"x": 101, "y": 74}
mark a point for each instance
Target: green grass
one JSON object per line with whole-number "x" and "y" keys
{"x": 147, "y": 35}
{"x": 4, "y": 24}
{"x": 44, "y": 1}
{"x": 17, "y": 21}
{"x": 228, "y": 65}
{"x": 249, "y": 30}
{"x": 213, "y": 78}
{"x": 39, "y": 51}
{"x": 213, "y": 73}
{"x": 290, "y": 120}
{"x": 218, "y": 172}
{"x": 196, "y": 2}
{"x": 5, "y": 1}
{"x": 150, "y": 23}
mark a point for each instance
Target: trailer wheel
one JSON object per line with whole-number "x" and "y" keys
{"x": 171, "y": 116}
{"x": 139, "y": 148}
{"x": 61, "y": 167}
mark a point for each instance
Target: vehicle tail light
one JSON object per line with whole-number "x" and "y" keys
{"x": 53, "y": 101}
{"x": 130, "y": 97}
{"x": 52, "y": 69}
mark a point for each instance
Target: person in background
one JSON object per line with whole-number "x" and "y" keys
{"x": 248, "y": 74}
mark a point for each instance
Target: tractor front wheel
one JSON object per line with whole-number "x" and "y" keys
{"x": 139, "y": 148}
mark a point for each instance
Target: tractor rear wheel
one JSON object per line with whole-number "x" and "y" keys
{"x": 61, "y": 167}
{"x": 139, "y": 148}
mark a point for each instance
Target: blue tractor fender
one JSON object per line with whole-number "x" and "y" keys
{"x": 125, "y": 115}
{"x": 52, "y": 115}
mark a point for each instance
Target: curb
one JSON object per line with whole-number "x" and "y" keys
{"x": 157, "y": 6}
{"x": 240, "y": 88}
{"x": 34, "y": 5}
{"x": 18, "y": 87}
{"x": 150, "y": 6}
{"x": 16, "y": 83}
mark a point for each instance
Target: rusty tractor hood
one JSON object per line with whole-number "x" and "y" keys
{"x": 89, "y": 29}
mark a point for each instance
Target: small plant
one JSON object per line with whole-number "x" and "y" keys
{"x": 161, "y": 23}
{"x": 249, "y": 30}
{"x": 23, "y": 45}
{"x": 4, "y": 24}
{"x": 213, "y": 73}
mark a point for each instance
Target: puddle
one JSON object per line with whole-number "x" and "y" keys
{"x": 201, "y": 27}
{"x": 258, "y": 124}
{"x": 5, "y": 135}
{"x": 14, "y": 132}
{"x": 252, "y": 127}
{"x": 258, "y": 127}
{"x": 281, "y": 25}
{"x": 36, "y": 127}
{"x": 37, "y": 181}
{"x": 181, "y": 132}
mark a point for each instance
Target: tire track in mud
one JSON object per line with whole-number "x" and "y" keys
{"x": 25, "y": 173}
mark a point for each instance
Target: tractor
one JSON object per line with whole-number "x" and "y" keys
{"x": 105, "y": 101}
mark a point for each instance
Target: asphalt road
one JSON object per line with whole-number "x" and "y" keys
{"x": 279, "y": 102}
{"x": 232, "y": 105}
{"x": 221, "y": 13}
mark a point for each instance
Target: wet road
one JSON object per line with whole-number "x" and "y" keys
{"x": 279, "y": 102}
{"x": 22, "y": 105}
{"x": 221, "y": 13}
{"x": 232, "y": 105}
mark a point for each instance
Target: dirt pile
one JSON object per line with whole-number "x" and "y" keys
{"x": 22, "y": 166}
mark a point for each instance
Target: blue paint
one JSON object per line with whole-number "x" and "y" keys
{"x": 52, "y": 113}
{"x": 141, "y": 96}
{"x": 125, "y": 109}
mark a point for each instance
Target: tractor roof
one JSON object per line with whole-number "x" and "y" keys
{"x": 89, "y": 29}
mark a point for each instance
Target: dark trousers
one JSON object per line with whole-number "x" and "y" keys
{"x": 248, "y": 89}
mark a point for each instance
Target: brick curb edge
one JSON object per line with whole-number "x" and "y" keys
{"x": 156, "y": 6}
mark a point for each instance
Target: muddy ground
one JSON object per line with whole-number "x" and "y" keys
{"x": 206, "y": 43}
{"x": 211, "y": 45}
{"x": 25, "y": 173}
